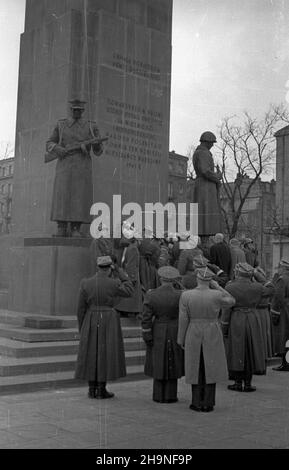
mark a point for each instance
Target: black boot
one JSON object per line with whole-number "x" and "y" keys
{"x": 284, "y": 366}
{"x": 248, "y": 387}
{"x": 101, "y": 392}
{"x": 91, "y": 390}
{"x": 236, "y": 387}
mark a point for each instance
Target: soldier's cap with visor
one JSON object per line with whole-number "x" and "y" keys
{"x": 169, "y": 273}
{"x": 200, "y": 262}
{"x": 205, "y": 274}
{"x": 104, "y": 261}
{"x": 284, "y": 263}
{"x": 244, "y": 269}
{"x": 77, "y": 104}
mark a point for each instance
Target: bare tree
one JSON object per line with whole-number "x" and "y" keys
{"x": 246, "y": 150}
{"x": 190, "y": 153}
{"x": 6, "y": 150}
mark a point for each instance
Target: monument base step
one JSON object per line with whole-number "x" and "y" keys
{"x": 3, "y": 298}
{"x": 10, "y": 366}
{"x": 20, "y": 349}
{"x": 56, "y": 381}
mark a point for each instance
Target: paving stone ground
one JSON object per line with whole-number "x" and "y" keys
{"x": 67, "y": 419}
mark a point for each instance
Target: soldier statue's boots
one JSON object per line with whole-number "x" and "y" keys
{"x": 236, "y": 387}
{"x": 61, "y": 230}
{"x": 75, "y": 230}
{"x": 248, "y": 387}
{"x": 102, "y": 393}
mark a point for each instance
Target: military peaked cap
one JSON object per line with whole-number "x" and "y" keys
{"x": 200, "y": 261}
{"x": 244, "y": 269}
{"x": 77, "y": 104}
{"x": 205, "y": 274}
{"x": 168, "y": 273}
{"x": 104, "y": 261}
{"x": 284, "y": 264}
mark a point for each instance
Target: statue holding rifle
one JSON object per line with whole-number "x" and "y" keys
{"x": 73, "y": 142}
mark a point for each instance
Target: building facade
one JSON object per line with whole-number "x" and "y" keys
{"x": 257, "y": 218}
{"x": 177, "y": 183}
{"x": 6, "y": 189}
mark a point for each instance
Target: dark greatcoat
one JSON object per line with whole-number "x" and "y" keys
{"x": 101, "y": 350}
{"x": 245, "y": 336}
{"x": 73, "y": 190}
{"x": 280, "y": 303}
{"x": 206, "y": 192}
{"x": 149, "y": 259}
{"x": 186, "y": 266}
{"x": 130, "y": 264}
{"x": 164, "y": 360}
{"x": 220, "y": 255}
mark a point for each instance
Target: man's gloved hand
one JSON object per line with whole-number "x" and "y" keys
{"x": 225, "y": 329}
{"x": 275, "y": 317}
{"x": 61, "y": 152}
{"x": 148, "y": 338}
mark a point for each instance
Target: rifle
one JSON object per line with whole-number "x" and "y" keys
{"x": 52, "y": 155}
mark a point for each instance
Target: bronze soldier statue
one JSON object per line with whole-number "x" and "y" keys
{"x": 206, "y": 189}
{"x": 72, "y": 143}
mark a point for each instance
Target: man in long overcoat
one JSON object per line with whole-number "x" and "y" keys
{"x": 280, "y": 315}
{"x": 101, "y": 350}
{"x": 206, "y": 188}
{"x": 220, "y": 253}
{"x": 73, "y": 190}
{"x": 164, "y": 357}
{"x": 201, "y": 336}
{"x": 246, "y": 352}
{"x": 130, "y": 260}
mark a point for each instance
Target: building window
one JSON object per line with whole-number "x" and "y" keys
{"x": 4, "y": 171}
{"x": 181, "y": 189}
{"x": 171, "y": 190}
{"x": 10, "y": 169}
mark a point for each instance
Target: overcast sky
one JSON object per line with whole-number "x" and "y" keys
{"x": 228, "y": 56}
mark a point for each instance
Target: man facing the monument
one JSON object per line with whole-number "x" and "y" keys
{"x": 71, "y": 143}
{"x": 206, "y": 189}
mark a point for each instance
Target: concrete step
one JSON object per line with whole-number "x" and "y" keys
{"x": 10, "y": 366}
{"x": 32, "y": 335}
{"x": 3, "y": 298}
{"x": 56, "y": 380}
{"x": 42, "y": 322}
{"x": 18, "y": 349}
{"x": 28, "y": 320}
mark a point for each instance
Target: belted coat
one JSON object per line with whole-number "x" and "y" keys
{"x": 73, "y": 191}
{"x": 101, "y": 350}
{"x": 199, "y": 328}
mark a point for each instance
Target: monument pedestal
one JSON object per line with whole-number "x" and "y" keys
{"x": 280, "y": 250}
{"x": 46, "y": 274}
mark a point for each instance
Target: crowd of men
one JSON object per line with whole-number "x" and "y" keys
{"x": 207, "y": 312}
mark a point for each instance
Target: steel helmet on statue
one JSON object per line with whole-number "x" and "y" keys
{"x": 208, "y": 137}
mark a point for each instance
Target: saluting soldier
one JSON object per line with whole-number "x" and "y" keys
{"x": 101, "y": 350}
{"x": 201, "y": 336}
{"x": 280, "y": 315}
{"x": 73, "y": 190}
{"x": 164, "y": 357}
{"x": 246, "y": 351}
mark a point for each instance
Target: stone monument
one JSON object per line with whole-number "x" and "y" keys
{"x": 281, "y": 242}
{"x": 116, "y": 55}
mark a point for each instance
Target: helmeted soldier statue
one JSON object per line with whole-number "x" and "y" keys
{"x": 206, "y": 188}
{"x": 72, "y": 143}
